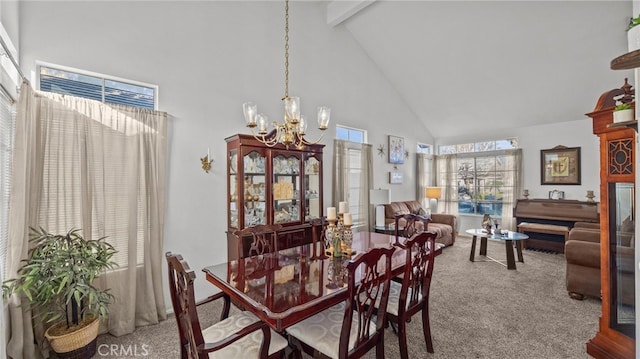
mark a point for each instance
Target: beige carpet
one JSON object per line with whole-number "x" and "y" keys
{"x": 478, "y": 310}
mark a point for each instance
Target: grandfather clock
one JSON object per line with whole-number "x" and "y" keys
{"x": 616, "y": 334}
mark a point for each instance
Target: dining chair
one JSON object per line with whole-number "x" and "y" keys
{"x": 239, "y": 335}
{"x": 412, "y": 295}
{"x": 264, "y": 239}
{"x": 408, "y": 225}
{"x": 350, "y": 329}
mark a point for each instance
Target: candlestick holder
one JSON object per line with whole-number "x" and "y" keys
{"x": 339, "y": 237}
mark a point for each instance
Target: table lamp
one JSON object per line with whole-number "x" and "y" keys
{"x": 378, "y": 198}
{"x": 433, "y": 194}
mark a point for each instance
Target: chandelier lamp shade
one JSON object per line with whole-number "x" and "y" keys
{"x": 292, "y": 130}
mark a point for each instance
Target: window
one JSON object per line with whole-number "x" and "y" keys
{"x": 7, "y": 123}
{"x": 353, "y": 170}
{"x": 506, "y": 144}
{"x": 484, "y": 183}
{"x": 351, "y": 134}
{"x": 483, "y": 175}
{"x": 424, "y": 148}
{"x": 107, "y": 89}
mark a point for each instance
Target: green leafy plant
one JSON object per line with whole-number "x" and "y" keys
{"x": 633, "y": 22}
{"x": 57, "y": 278}
{"x": 622, "y": 106}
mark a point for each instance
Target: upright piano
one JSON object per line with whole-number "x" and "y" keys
{"x": 559, "y": 212}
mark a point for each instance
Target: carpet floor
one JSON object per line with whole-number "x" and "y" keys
{"x": 478, "y": 310}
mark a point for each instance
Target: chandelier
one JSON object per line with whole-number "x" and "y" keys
{"x": 292, "y": 130}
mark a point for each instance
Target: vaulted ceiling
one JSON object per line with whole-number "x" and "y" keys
{"x": 468, "y": 66}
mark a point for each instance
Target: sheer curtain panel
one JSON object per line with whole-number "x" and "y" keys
{"x": 82, "y": 164}
{"x": 353, "y": 178}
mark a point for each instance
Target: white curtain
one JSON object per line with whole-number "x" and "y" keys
{"x": 353, "y": 161}
{"x": 446, "y": 172}
{"x": 424, "y": 169}
{"x": 79, "y": 163}
{"x": 512, "y": 187}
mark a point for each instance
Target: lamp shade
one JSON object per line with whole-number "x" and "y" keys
{"x": 379, "y": 196}
{"x": 433, "y": 192}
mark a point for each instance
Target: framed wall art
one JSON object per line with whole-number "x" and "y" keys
{"x": 560, "y": 166}
{"x": 396, "y": 150}
{"x": 395, "y": 177}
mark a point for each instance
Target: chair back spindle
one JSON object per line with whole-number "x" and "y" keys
{"x": 409, "y": 225}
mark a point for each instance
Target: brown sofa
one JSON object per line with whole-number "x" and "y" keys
{"x": 445, "y": 225}
{"x": 582, "y": 252}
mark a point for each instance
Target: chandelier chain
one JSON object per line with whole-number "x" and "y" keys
{"x": 286, "y": 49}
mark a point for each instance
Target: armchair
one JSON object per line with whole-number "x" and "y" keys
{"x": 582, "y": 252}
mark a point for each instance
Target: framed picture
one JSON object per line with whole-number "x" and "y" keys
{"x": 396, "y": 150}
{"x": 395, "y": 177}
{"x": 560, "y": 165}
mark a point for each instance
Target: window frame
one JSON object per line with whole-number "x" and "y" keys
{"x": 352, "y": 129}
{"x": 103, "y": 77}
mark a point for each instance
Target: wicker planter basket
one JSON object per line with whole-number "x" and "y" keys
{"x": 76, "y": 344}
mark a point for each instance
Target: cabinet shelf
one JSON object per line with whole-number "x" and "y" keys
{"x": 629, "y": 124}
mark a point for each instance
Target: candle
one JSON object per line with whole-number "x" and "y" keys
{"x": 342, "y": 207}
{"x": 331, "y": 213}
{"x": 208, "y": 152}
{"x": 348, "y": 220}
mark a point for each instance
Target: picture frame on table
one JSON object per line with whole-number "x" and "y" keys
{"x": 560, "y": 166}
{"x": 396, "y": 149}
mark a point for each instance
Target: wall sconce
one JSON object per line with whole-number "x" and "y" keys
{"x": 206, "y": 162}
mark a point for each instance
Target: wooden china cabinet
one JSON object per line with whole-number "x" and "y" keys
{"x": 616, "y": 335}
{"x": 272, "y": 185}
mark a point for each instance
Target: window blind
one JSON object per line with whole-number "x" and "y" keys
{"x": 7, "y": 125}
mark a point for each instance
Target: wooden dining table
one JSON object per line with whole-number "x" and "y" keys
{"x": 285, "y": 287}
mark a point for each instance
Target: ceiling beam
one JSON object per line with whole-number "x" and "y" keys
{"x": 340, "y": 11}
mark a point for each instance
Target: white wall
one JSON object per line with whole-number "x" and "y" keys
{"x": 208, "y": 58}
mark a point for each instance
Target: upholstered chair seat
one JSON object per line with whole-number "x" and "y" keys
{"x": 322, "y": 331}
{"x": 247, "y": 347}
{"x": 393, "y": 306}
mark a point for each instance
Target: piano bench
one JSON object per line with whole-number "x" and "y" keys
{"x": 546, "y": 229}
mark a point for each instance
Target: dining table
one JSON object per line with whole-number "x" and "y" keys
{"x": 284, "y": 287}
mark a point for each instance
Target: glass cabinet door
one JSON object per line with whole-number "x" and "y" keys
{"x": 621, "y": 257}
{"x": 312, "y": 189}
{"x": 254, "y": 189}
{"x": 233, "y": 189}
{"x": 286, "y": 188}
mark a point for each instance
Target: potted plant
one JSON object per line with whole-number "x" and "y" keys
{"x": 623, "y": 112}
{"x": 57, "y": 279}
{"x": 633, "y": 33}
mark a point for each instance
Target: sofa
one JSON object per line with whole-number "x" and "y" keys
{"x": 582, "y": 252}
{"x": 445, "y": 225}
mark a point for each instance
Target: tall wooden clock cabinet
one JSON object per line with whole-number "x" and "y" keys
{"x": 616, "y": 333}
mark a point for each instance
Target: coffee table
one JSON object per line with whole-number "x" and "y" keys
{"x": 510, "y": 238}
{"x": 387, "y": 229}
